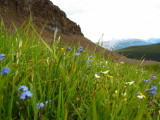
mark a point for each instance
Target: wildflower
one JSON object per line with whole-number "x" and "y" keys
{"x": 109, "y": 76}
{"x": 48, "y": 101}
{"x": 39, "y": 105}
{"x": 153, "y": 92}
{"x": 90, "y": 61}
{"x": 130, "y": 83}
{"x": 69, "y": 48}
{"x": 2, "y": 56}
{"x": 77, "y": 54}
{"x": 153, "y": 88}
{"x": 105, "y": 72}
{"x": 140, "y": 95}
{"x": 80, "y": 49}
{"x": 124, "y": 94}
{"x": 90, "y": 56}
{"x": 153, "y": 77}
{"x": 97, "y": 76}
{"x": 122, "y": 62}
{"x": 25, "y": 95}
{"x": 5, "y": 70}
{"x": 23, "y": 88}
{"x": 147, "y": 81}
{"x": 62, "y": 49}
{"x": 116, "y": 91}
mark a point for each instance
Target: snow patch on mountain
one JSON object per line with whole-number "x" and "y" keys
{"x": 124, "y": 43}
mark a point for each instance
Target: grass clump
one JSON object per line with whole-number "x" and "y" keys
{"x": 60, "y": 82}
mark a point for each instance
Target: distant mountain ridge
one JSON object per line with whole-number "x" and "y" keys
{"x": 124, "y": 43}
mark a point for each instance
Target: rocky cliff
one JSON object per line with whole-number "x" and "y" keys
{"x": 44, "y": 13}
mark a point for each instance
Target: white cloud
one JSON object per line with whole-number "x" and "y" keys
{"x": 114, "y": 18}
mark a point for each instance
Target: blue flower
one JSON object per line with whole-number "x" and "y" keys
{"x": 90, "y": 61}
{"x": 5, "y": 70}
{"x": 48, "y": 101}
{"x": 153, "y": 92}
{"x": 147, "y": 81}
{"x": 26, "y": 95}
{"x": 80, "y": 49}
{"x": 153, "y": 88}
{"x": 69, "y": 48}
{"x": 2, "y": 56}
{"x": 23, "y": 88}
{"x": 90, "y": 56}
{"x": 77, "y": 54}
{"x": 39, "y": 105}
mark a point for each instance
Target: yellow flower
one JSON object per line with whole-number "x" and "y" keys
{"x": 109, "y": 76}
{"x": 141, "y": 96}
{"x": 62, "y": 49}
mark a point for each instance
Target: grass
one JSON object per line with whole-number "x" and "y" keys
{"x": 52, "y": 72}
{"x": 153, "y": 67}
{"x": 149, "y": 52}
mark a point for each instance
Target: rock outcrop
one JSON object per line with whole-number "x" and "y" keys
{"x": 44, "y": 13}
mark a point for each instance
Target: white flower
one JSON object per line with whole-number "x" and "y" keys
{"x": 122, "y": 62}
{"x": 124, "y": 94}
{"x": 140, "y": 95}
{"x": 96, "y": 76}
{"x": 130, "y": 83}
{"x": 105, "y": 72}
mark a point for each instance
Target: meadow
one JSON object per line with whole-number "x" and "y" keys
{"x": 52, "y": 81}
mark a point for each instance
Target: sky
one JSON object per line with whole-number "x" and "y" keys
{"x": 114, "y": 19}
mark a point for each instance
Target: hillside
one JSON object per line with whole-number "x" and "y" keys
{"x": 148, "y": 52}
{"x": 48, "y": 18}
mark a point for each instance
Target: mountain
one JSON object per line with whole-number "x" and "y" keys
{"x": 44, "y": 13}
{"x": 147, "y": 52}
{"x": 124, "y": 43}
{"x": 45, "y": 16}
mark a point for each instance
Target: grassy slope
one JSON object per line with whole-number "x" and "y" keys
{"x": 149, "y": 52}
{"x": 52, "y": 72}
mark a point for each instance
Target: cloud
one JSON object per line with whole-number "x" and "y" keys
{"x": 71, "y": 6}
{"x": 114, "y": 18}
